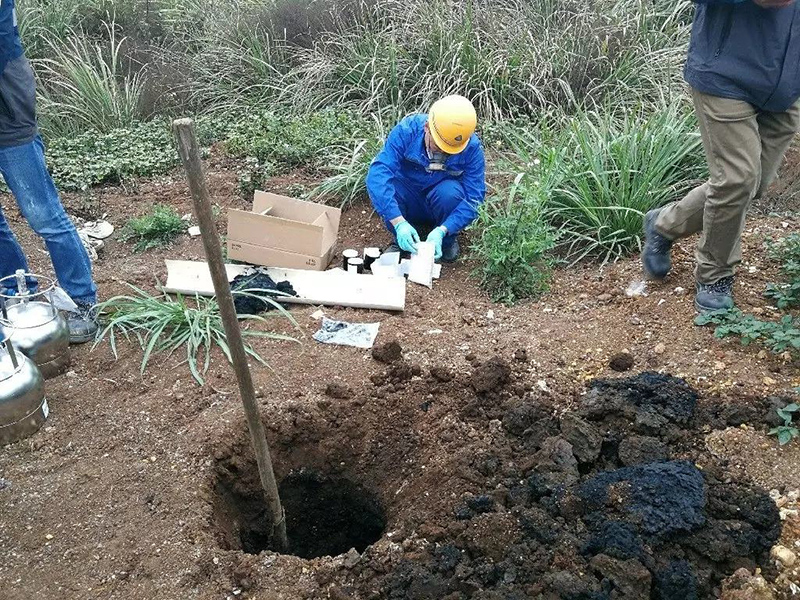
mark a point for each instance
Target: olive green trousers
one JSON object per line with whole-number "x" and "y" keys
{"x": 744, "y": 148}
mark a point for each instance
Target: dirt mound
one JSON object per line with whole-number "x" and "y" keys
{"x": 597, "y": 511}
{"x": 511, "y": 501}
{"x": 491, "y": 375}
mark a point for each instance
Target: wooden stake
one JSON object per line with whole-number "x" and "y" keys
{"x": 190, "y": 157}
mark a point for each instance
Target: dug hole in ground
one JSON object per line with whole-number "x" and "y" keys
{"x": 499, "y": 458}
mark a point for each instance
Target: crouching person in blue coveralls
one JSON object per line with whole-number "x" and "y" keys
{"x": 430, "y": 177}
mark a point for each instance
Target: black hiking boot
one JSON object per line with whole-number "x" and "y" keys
{"x": 714, "y": 296}
{"x": 450, "y": 253}
{"x": 656, "y": 258}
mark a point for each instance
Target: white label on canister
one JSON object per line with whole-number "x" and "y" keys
{"x": 45, "y": 408}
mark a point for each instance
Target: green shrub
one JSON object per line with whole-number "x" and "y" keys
{"x": 612, "y": 171}
{"x": 514, "y": 243}
{"x": 91, "y": 158}
{"x": 155, "y": 230}
{"x": 293, "y": 141}
{"x": 787, "y": 252}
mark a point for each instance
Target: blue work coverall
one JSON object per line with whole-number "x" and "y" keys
{"x": 400, "y": 184}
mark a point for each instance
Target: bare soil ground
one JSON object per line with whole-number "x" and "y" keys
{"x": 139, "y": 486}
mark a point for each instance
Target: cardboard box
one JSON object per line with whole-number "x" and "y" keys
{"x": 283, "y": 232}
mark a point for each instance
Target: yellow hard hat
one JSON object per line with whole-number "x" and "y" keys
{"x": 452, "y": 120}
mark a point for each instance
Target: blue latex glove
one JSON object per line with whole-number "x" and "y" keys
{"x": 435, "y": 237}
{"x": 407, "y": 236}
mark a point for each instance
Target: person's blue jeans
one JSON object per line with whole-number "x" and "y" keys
{"x": 429, "y": 208}
{"x": 24, "y": 169}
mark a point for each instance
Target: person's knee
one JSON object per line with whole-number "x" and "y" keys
{"x": 46, "y": 219}
{"x": 449, "y": 194}
{"x": 738, "y": 186}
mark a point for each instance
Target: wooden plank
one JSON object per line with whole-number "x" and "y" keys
{"x": 328, "y": 288}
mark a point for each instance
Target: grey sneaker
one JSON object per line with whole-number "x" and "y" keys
{"x": 82, "y": 324}
{"x": 714, "y": 296}
{"x": 656, "y": 258}
{"x": 450, "y": 253}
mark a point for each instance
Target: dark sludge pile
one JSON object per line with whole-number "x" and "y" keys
{"x": 606, "y": 504}
{"x": 257, "y": 292}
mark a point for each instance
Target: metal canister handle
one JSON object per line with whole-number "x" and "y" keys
{"x": 5, "y": 341}
{"x": 46, "y": 291}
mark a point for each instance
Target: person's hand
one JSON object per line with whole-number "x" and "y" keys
{"x": 407, "y": 236}
{"x": 435, "y": 237}
{"x": 774, "y": 3}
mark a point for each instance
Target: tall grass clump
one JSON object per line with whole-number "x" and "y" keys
{"x": 85, "y": 86}
{"x": 511, "y": 58}
{"x": 514, "y": 241}
{"x": 166, "y": 325}
{"x": 612, "y": 171}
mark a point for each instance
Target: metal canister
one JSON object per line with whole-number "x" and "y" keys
{"x": 23, "y": 406}
{"x": 38, "y": 329}
{"x": 346, "y": 256}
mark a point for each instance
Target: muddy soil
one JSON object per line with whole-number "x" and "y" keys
{"x": 479, "y": 477}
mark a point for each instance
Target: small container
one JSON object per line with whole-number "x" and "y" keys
{"x": 23, "y": 406}
{"x": 355, "y": 265}
{"x": 370, "y": 256}
{"x": 347, "y": 255}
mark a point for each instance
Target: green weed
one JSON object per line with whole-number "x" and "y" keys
{"x": 155, "y": 230}
{"x": 514, "y": 243}
{"x": 84, "y": 85}
{"x": 788, "y": 431}
{"x": 778, "y": 336}
{"x": 288, "y": 142}
{"x": 165, "y": 325}
{"x": 787, "y": 252}
{"x": 91, "y": 158}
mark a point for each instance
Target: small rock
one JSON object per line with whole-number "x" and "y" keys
{"x": 49, "y": 536}
{"x": 623, "y": 361}
{"x": 352, "y": 558}
{"x": 387, "y": 353}
{"x": 719, "y": 365}
{"x": 743, "y": 585}
{"x": 339, "y": 391}
{"x": 586, "y": 441}
{"x": 521, "y": 355}
{"x": 604, "y": 297}
{"x": 783, "y": 555}
{"x": 442, "y": 374}
{"x": 72, "y": 374}
{"x": 660, "y": 348}
{"x": 4, "y": 484}
{"x": 630, "y": 577}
